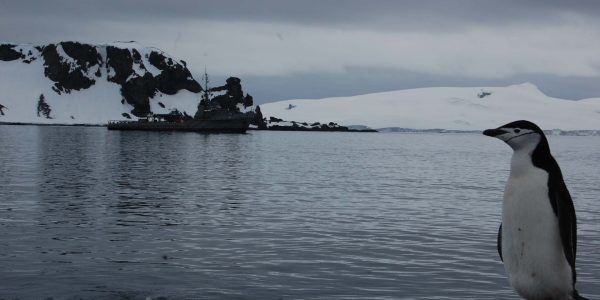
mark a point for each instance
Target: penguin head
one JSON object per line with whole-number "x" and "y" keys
{"x": 518, "y": 135}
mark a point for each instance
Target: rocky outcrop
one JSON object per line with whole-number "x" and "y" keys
{"x": 232, "y": 96}
{"x": 141, "y": 72}
{"x": 278, "y": 124}
{"x": 70, "y": 74}
{"x": 259, "y": 121}
{"x": 43, "y": 109}
{"x": 8, "y": 53}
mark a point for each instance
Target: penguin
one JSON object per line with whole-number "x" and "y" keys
{"x": 537, "y": 239}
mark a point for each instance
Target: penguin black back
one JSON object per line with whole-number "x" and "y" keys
{"x": 558, "y": 194}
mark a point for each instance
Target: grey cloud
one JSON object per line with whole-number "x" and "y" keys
{"x": 170, "y": 25}
{"x": 390, "y": 14}
{"x": 359, "y": 81}
{"x": 58, "y": 18}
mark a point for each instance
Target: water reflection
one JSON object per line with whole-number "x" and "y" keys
{"x": 113, "y": 215}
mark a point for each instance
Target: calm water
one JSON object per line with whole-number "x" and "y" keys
{"x": 88, "y": 213}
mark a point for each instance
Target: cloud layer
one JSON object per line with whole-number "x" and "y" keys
{"x": 478, "y": 40}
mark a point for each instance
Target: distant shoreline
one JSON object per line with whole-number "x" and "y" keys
{"x": 254, "y": 129}
{"x": 312, "y": 130}
{"x": 58, "y": 124}
{"x": 551, "y": 132}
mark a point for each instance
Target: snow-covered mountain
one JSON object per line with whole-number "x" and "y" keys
{"x": 91, "y": 84}
{"x": 446, "y": 108}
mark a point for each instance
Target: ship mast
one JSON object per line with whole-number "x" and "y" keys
{"x": 206, "y": 96}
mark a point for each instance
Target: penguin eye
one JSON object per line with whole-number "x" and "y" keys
{"x": 517, "y": 130}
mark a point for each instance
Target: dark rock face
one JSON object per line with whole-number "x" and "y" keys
{"x": 158, "y": 60}
{"x": 259, "y": 120}
{"x": 65, "y": 76}
{"x": 121, "y": 62}
{"x": 296, "y": 127}
{"x": 233, "y": 96}
{"x": 7, "y": 52}
{"x": 43, "y": 109}
{"x": 275, "y": 120}
{"x": 176, "y": 78}
{"x": 137, "y": 90}
{"x": 483, "y": 94}
{"x": 278, "y": 124}
{"x": 173, "y": 77}
{"x": 85, "y": 55}
{"x": 77, "y": 66}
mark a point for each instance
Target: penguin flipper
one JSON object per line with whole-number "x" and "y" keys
{"x": 567, "y": 221}
{"x": 562, "y": 204}
{"x": 499, "y": 242}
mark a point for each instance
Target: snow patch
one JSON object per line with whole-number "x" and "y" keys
{"x": 22, "y": 84}
{"x": 444, "y": 107}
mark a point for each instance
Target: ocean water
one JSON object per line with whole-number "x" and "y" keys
{"x": 90, "y": 214}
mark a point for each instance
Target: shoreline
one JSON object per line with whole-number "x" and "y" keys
{"x": 54, "y": 124}
{"x": 551, "y": 132}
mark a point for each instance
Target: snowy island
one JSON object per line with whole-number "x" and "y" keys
{"x": 446, "y": 109}
{"x": 76, "y": 83}
{"x": 91, "y": 84}
{"x": 71, "y": 83}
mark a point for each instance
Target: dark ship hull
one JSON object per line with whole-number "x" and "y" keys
{"x": 225, "y": 123}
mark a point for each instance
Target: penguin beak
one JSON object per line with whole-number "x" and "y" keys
{"x": 494, "y": 132}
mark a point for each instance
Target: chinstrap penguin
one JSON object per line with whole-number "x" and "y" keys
{"x": 537, "y": 239}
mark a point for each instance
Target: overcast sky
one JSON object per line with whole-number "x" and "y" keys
{"x": 312, "y": 49}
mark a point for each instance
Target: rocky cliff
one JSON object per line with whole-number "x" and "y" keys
{"x": 84, "y": 83}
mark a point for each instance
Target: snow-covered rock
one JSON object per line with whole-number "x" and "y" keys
{"x": 283, "y": 125}
{"x": 91, "y": 84}
{"x": 445, "y": 108}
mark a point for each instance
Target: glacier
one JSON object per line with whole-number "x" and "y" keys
{"x": 447, "y": 108}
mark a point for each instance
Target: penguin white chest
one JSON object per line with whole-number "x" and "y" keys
{"x": 531, "y": 244}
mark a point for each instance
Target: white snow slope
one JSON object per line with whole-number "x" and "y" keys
{"x": 445, "y": 108}
{"x": 22, "y": 84}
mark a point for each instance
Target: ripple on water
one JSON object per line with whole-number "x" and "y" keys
{"x": 102, "y": 215}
